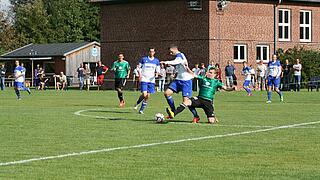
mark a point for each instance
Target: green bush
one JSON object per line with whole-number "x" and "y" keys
{"x": 309, "y": 58}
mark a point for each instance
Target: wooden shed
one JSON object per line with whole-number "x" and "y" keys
{"x": 54, "y": 58}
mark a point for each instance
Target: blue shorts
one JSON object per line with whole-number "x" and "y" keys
{"x": 273, "y": 81}
{"x": 18, "y": 85}
{"x": 184, "y": 86}
{"x": 147, "y": 87}
{"x": 246, "y": 83}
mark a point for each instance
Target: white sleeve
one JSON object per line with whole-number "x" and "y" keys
{"x": 279, "y": 71}
{"x": 176, "y": 61}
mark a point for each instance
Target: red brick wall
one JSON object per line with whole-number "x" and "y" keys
{"x": 132, "y": 28}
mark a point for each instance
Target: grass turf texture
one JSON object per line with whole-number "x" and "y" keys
{"x": 44, "y": 124}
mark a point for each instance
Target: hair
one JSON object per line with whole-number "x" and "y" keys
{"x": 173, "y": 46}
{"x": 212, "y": 68}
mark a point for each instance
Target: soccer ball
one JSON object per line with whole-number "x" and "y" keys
{"x": 159, "y": 118}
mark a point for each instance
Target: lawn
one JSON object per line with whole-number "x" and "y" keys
{"x": 84, "y": 135}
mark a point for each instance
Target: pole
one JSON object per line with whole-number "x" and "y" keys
{"x": 32, "y": 73}
{"x": 274, "y": 28}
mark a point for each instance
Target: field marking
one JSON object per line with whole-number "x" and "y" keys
{"x": 154, "y": 144}
{"x": 80, "y": 113}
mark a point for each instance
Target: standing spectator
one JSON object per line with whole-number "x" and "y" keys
{"x": 297, "y": 75}
{"x": 87, "y": 73}
{"x": 170, "y": 73}
{"x": 261, "y": 75}
{"x": 162, "y": 78}
{"x": 2, "y": 77}
{"x": 286, "y": 75}
{"x": 101, "y": 71}
{"x": 42, "y": 79}
{"x": 218, "y": 71}
{"x": 136, "y": 77}
{"x": 229, "y": 70}
{"x": 202, "y": 70}
{"x": 36, "y": 77}
{"x": 211, "y": 64}
{"x": 196, "y": 71}
{"x": 253, "y": 78}
{"x": 80, "y": 71}
{"x": 121, "y": 70}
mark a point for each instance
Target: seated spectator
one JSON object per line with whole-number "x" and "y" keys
{"x": 61, "y": 82}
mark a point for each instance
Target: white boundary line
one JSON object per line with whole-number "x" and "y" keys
{"x": 154, "y": 144}
{"x": 80, "y": 113}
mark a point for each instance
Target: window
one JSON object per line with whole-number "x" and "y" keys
{"x": 284, "y": 25}
{"x": 305, "y": 26}
{"x": 240, "y": 52}
{"x": 262, "y": 53}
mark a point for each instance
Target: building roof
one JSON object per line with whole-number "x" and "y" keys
{"x": 47, "y": 50}
{"x": 131, "y": 1}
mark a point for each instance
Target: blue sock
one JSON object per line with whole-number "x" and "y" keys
{"x": 140, "y": 99}
{"x": 194, "y": 112}
{"x": 17, "y": 93}
{"x": 269, "y": 95}
{"x": 143, "y": 105}
{"x": 248, "y": 90}
{"x": 171, "y": 103}
{"x": 280, "y": 93}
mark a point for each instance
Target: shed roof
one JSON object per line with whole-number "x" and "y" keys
{"x": 47, "y": 50}
{"x": 131, "y": 1}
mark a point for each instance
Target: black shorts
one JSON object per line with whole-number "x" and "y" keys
{"x": 119, "y": 83}
{"x": 206, "y": 105}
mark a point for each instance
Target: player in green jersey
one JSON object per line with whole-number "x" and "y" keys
{"x": 121, "y": 70}
{"x": 208, "y": 86}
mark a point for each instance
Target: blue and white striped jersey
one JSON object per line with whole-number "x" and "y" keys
{"x": 149, "y": 66}
{"x": 181, "y": 64}
{"x": 274, "y": 68}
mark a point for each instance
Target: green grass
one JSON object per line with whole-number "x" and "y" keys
{"x": 44, "y": 124}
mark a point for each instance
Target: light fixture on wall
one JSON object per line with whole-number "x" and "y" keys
{"x": 221, "y": 4}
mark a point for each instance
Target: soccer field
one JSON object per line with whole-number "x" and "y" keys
{"x": 84, "y": 135}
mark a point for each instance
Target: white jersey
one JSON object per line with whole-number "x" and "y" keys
{"x": 247, "y": 72}
{"x": 274, "y": 69}
{"x": 180, "y": 64}
{"x": 18, "y": 71}
{"x": 261, "y": 69}
{"x": 149, "y": 66}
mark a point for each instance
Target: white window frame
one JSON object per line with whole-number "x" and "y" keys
{"x": 283, "y": 24}
{"x": 239, "y": 53}
{"x": 261, "y": 52}
{"x": 304, "y": 26}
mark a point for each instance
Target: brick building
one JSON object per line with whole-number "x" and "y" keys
{"x": 207, "y": 30}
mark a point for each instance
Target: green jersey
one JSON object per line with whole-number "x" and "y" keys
{"x": 121, "y": 69}
{"x": 208, "y": 87}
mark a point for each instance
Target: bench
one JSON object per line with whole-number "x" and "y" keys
{"x": 314, "y": 83}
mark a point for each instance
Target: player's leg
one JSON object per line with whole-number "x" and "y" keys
{"x": 173, "y": 87}
{"x": 118, "y": 88}
{"x": 208, "y": 108}
{"x": 277, "y": 89}
{"x": 269, "y": 92}
{"x": 246, "y": 85}
{"x": 17, "y": 86}
{"x": 143, "y": 87}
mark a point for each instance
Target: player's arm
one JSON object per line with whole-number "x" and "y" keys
{"x": 279, "y": 71}
{"x": 113, "y": 68}
{"x": 176, "y": 61}
{"x": 129, "y": 70}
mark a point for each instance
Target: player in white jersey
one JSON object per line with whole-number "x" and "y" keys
{"x": 273, "y": 73}
{"x": 247, "y": 72}
{"x": 183, "y": 80}
{"x": 150, "y": 68}
{"x": 19, "y": 74}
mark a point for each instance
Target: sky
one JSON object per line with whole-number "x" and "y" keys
{"x": 4, "y": 4}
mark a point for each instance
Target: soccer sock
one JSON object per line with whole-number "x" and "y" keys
{"x": 248, "y": 90}
{"x": 17, "y": 93}
{"x": 194, "y": 112}
{"x": 171, "y": 103}
{"x": 140, "y": 99}
{"x": 143, "y": 105}
{"x": 120, "y": 95}
{"x": 180, "y": 109}
{"x": 269, "y": 95}
{"x": 280, "y": 93}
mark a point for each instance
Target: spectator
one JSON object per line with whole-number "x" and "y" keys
{"x": 136, "y": 77}
{"x": 297, "y": 75}
{"x": 211, "y": 64}
{"x": 162, "y": 78}
{"x": 80, "y": 71}
{"x": 2, "y": 77}
{"x": 170, "y": 73}
{"x": 253, "y": 78}
{"x": 62, "y": 81}
{"x": 196, "y": 71}
{"x": 218, "y": 71}
{"x": 42, "y": 79}
{"x": 261, "y": 75}
{"x": 36, "y": 77}
{"x": 101, "y": 71}
{"x": 287, "y": 67}
{"x": 203, "y": 70}
{"x": 87, "y": 73}
{"x": 229, "y": 70}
